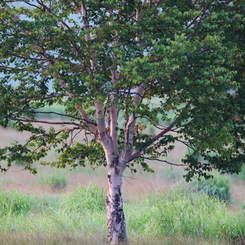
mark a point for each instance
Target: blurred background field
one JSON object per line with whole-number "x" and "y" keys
{"x": 59, "y": 206}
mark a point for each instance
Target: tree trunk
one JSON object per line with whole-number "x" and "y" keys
{"x": 114, "y": 205}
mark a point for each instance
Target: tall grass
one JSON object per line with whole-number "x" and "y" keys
{"x": 182, "y": 213}
{"x": 12, "y": 203}
{"x": 174, "y": 217}
{"x": 87, "y": 198}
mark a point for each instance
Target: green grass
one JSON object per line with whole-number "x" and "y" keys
{"x": 181, "y": 213}
{"x": 55, "y": 181}
{"x": 12, "y": 203}
{"x": 175, "y": 217}
{"x": 89, "y": 198}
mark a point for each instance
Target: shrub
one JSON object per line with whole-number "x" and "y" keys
{"x": 218, "y": 186}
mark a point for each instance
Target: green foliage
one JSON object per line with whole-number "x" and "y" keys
{"x": 218, "y": 186}
{"x": 14, "y": 203}
{"x": 121, "y": 56}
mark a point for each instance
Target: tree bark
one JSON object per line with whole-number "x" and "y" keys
{"x": 114, "y": 204}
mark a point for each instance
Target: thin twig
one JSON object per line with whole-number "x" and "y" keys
{"x": 47, "y": 122}
{"x": 165, "y": 161}
{"x": 59, "y": 114}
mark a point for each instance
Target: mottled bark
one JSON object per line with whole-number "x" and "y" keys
{"x": 114, "y": 204}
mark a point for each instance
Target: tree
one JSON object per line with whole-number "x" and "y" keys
{"x": 105, "y": 62}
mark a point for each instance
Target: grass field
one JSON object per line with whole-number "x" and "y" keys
{"x": 67, "y": 207}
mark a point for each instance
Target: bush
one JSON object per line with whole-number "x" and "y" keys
{"x": 13, "y": 203}
{"x": 55, "y": 181}
{"x": 218, "y": 186}
{"x": 171, "y": 174}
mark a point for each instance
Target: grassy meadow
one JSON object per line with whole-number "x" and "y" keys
{"x": 67, "y": 207}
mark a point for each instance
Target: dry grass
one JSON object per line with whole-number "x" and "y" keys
{"x": 12, "y": 238}
{"x": 134, "y": 187}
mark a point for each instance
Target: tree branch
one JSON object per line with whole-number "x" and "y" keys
{"x": 47, "y": 122}
{"x": 44, "y": 97}
{"x": 165, "y": 161}
{"x": 130, "y": 125}
{"x": 185, "y": 143}
{"x": 114, "y": 113}
{"x": 21, "y": 69}
{"x": 100, "y": 119}
{"x": 158, "y": 136}
{"x": 59, "y": 114}
{"x": 114, "y": 79}
{"x": 129, "y": 128}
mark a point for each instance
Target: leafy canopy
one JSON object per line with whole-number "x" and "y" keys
{"x": 185, "y": 57}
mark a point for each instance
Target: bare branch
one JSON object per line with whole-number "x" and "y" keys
{"x": 25, "y": 58}
{"x": 73, "y": 137}
{"x": 22, "y": 69}
{"x": 194, "y": 3}
{"x": 84, "y": 115}
{"x": 45, "y": 97}
{"x": 48, "y": 122}
{"x": 158, "y": 136}
{"x": 62, "y": 130}
{"x": 59, "y": 114}
{"x": 33, "y": 5}
{"x": 228, "y": 1}
{"x": 187, "y": 144}
{"x": 83, "y": 13}
{"x": 100, "y": 119}
{"x": 195, "y": 19}
{"x": 155, "y": 138}
{"x": 158, "y": 3}
{"x": 129, "y": 128}
{"x": 165, "y": 161}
